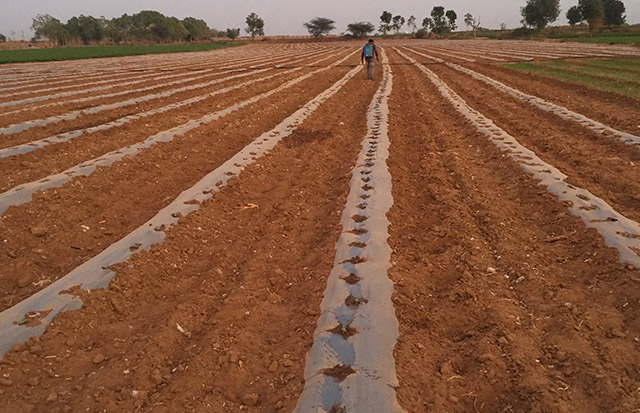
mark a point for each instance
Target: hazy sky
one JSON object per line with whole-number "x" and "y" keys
{"x": 281, "y": 16}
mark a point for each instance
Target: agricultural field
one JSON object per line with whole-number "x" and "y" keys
{"x": 89, "y": 52}
{"x": 261, "y": 228}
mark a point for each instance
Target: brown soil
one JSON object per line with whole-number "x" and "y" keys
{"x": 493, "y": 316}
{"x": 113, "y": 114}
{"x": 244, "y": 284}
{"x": 113, "y": 201}
{"x": 58, "y": 157}
{"x": 44, "y": 109}
{"x": 605, "y": 166}
{"x": 506, "y": 302}
{"x": 611, "y": 108}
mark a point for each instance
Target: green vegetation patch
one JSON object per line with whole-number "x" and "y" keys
{"x": 601, "y": 78}
{"x": 90, "y": 52}
{"x": 621, "y": 38}
{"x": 612, "y": 73}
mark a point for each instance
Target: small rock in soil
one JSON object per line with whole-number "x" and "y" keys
{"x": 486, "y": 357}
{"x": 273, "y": 366}
{"x": 250, "y": 399}
{"x": 6, "y": 382}
{"x": 39, "y": 230}
{"x": 52, "y": 397}
{"x": 503, "y": 340}
{"x": 561, "y": 355}
{"x": 275, "y": 298}
{"x": 616, "y": 332}
{"x": 98, "y": 359}
{"x": 491, "y": 270}
{"x": 27, "y": 408}
{"x": 287, "y": 363}
{"x": 453, "y": 399}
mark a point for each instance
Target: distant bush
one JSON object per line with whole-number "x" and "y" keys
{"x": 422, "y": 34}
{"x": 522, "y": 32}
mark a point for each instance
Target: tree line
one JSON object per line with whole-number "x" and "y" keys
{"x": 154, "y": 27}
{"x": 536, "y": 13}
{"x": 439, "y": 22}
{"x": 147, "y": 26}
{"x": 596, "y": 13}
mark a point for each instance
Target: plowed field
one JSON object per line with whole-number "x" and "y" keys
{"x": 264, "y": 229}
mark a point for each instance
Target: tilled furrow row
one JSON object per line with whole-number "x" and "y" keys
{"x": 117, "y": 67}
{"x": 562, "y": 112}
{"x": 32, "y": 87}
{"x": 350, "y": 366}
{"x": 188, "y": 77}
{"x": 21, "y": 127}
{"x": 96, "y": 273}
{"x": 68, "y": 136}
{"x": 22, "y": 193}
{"x": 618, "y": 231}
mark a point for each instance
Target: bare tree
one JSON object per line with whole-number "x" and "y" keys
{"x": 472, "y": 22}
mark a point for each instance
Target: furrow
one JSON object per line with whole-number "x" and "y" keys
{"x": 95, "y": 273}
{"x": 22, "y": 193}
{"x": 86, "y": 91}
{"x": 351, "y": 366}
{"x": 240, "y": 67}
{"x": 617, "y": 230}
{"x": 67, "y": 136}
{"x": 560, "y": 111}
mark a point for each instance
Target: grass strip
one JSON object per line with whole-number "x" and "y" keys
{"x": 601, "y": 72}
{"x": 91, "y": 52}
{"x": 630, "y": 65}
{"x": 599, "y": 83}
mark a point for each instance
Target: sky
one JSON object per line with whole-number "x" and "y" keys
{"x": 282, "y": 17}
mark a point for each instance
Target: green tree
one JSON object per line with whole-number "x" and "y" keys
{"x": 472, "y": 22}
{"x": 360, "y": 29}
{"x": 85, "y": 28}
{"x": 593, "y": 12}
{"x": 574, "y": 15}
{"x": 451, "y": 20}
{"x": 398, "y": 22}
{"x": 385, "y": 22}
{"x": 320, "y": 26}
{"x": 439, "y": 22}
{"x": 427, "y": 23}
{"x": 539, "y": 13}
{"x": 151, "y": 26}
{"x": 197, "y": 29}
{"x": 3, "y": 38}
{"x": 411, "y": 23}
{"x": 177, "y": 31}
{"x": 233, "y": 33}
{"x": 255, "y": 25}
{"x": 50, "y": 28}
{"x": 614, "y": 12}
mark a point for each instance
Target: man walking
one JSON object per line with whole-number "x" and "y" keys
{"x": 369, "y": 51}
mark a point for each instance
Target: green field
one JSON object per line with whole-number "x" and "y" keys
{"x": 90, "y": 52}
{"x": 626, "y": 36}
{"x": 617, "y": 76}
{"x": 629, "y": 38}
